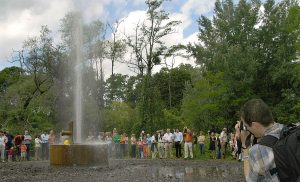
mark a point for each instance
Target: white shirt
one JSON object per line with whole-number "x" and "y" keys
{"x": 44, "y": 138}
{"x": 178, "y": 137}
{"x": 168, "y": 137}
{"x": 223, "y": 137}
{"x": 3, "y": 140}
{"x": 37, "y": 142}
{"x": 27, "y": 139}
{"x": 153, "y": 139}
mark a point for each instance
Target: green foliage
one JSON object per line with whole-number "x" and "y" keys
{"x": 36, "y": 117}
{"x": 171, "y": 84}
{"x": 115, "y": 87}
{"x": 9, "y": 76}
{"x": 150, "y": 106}
{"x": 173, "y": 119}
{"x": 205, "y": 102}
{"x": 120, "y": 115}
{"x": 251, "y": 54}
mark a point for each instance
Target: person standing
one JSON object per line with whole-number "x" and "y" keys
{"x": 3, "y": 141}
{"x": 108, "y": 140}
{"x": 178, "y": 140}
{"x": 201, "y": 141}
{"x": 133, "y": 146}
{"x": 123, "y": 144}
{"x": 116, "y": 138}
{"x": 168, "y": 137}
{"x": 154, "y": 149}
{"x": 9, "y": 143}
{"x": 51, "y": 139}
{"x": 224, "y": 142}
{"x": 188, "y": 145}
{"x": 161, "y": 149}
{"x": 27, "y": 142}
{"x": 149, "y": 143}
{"x": 218, "y": 146}
{"x": 37, "y": 147}
{"x": 212, "y": 145}
{"x": 140, "y": 148}
{"x": 45, "y": 146}
{"x": 18, "y": 142}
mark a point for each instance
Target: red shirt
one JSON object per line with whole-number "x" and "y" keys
{"x": 19, "y": 139}
{"x": 10, "y": 152}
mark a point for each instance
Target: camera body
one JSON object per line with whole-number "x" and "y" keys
{"x": 242, "y": 126}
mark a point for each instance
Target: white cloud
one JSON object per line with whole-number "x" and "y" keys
{"x": 197, "y": 7}
{"x": 20, "y": 20}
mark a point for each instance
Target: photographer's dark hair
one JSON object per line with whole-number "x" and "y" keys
{"x": 256, "y": 110}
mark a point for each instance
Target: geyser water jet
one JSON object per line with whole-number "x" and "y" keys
{"x": 78, "y": 153}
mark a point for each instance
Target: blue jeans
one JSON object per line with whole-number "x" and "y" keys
{"x": 201, "y": 148}
{"x": 141, "y": 153}
{"x": 133, "y": 149}
{"x": 28, "y": 151}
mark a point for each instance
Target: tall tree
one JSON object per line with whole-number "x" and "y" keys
{"x": 253, "y": 49}
{"x": 147, "y": 42}
{"x": 115, "y": 47}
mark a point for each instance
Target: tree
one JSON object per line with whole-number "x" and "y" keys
{"x": 147, "y": 43}
{"x": 115, "y": 87}
{"x": 115, "y": 48}
{"x": 148, "y": 48}
{"x": 9, "y": 76}
{"x": 120, "y": 115}
{"x": 180, "y": 77}
{"x": 40, "y": 59}
{"x": 205, "y": 101}
{"x": 253, "y": 49}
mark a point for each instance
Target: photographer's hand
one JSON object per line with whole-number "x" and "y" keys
{"x": 245, "y": 145}
{"x": 244, "y": 136}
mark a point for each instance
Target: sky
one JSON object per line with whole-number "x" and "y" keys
{"x": 21, "y": 19}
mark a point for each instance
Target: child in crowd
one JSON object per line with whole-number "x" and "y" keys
{"x": 23, "y": 151}
{"x": 140, "y": 146}
{"x": 10, "y": 154}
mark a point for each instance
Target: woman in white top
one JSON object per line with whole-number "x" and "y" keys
{"x": 37, "y": 147}
{"x": 3, "y": 141}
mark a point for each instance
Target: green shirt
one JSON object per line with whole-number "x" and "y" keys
{"x": 117, "y": 138}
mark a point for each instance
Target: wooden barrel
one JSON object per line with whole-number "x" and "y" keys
{"x": 79, "y": 154}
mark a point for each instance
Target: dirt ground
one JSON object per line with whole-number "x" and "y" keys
{"x": 126, "y": 170}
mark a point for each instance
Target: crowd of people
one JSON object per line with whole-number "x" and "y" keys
{"x": 20, "y": 146}
{"x": 159, "y": 144}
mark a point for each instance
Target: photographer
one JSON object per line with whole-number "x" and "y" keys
{"x": 188, "y": 145}
{"x": 257, "y": 120}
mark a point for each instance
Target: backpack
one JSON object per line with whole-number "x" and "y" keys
{"x": 286, "y": 151}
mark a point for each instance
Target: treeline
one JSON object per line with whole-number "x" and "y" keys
{"x": 249, "y": 49}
